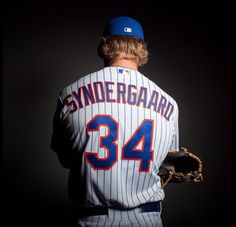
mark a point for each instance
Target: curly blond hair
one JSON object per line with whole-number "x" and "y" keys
{"x": 126, "y": 47}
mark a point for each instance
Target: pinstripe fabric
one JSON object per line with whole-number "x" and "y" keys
{"x": 122, "y": 185}
{"x": 135, "y": 219}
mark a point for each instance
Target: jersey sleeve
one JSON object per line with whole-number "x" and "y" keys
{"x": 60, "y": 140}
{"x": 175, "y": 137}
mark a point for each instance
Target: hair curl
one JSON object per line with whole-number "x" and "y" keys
{"x": 126, "y": 47}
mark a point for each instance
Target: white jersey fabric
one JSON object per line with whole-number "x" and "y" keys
{"x": 112, "y": 129}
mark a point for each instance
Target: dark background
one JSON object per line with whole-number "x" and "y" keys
{"x": 46, "y": 46}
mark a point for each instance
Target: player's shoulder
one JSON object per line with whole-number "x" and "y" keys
{"x": 80, "y": 81}
{"x": 160, "y": 90}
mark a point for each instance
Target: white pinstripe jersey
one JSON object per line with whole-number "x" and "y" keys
{"x": 113, "y": 128}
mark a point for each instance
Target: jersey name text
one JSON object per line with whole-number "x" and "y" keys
{"x": 111, "y": 92}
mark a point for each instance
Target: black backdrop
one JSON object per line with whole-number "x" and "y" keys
{"x": 49, "y": 45}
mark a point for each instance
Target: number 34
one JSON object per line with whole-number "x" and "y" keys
{"x": 130, "y": 150}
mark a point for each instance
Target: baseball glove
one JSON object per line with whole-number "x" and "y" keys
{"x": 180, "y": 166}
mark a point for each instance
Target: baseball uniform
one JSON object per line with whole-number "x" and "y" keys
{"x": 113, "y": 129}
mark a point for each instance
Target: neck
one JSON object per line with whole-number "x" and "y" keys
{"x": 125, "y": 63}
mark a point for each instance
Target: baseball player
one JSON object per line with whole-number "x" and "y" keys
{"x": 113, "y": 128}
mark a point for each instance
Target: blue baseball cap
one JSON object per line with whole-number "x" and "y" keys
{"x": 123, "y": 26}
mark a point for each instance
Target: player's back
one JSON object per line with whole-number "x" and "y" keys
{"x": 121, "y": 126}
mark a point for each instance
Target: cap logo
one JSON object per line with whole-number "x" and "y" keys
{"x": 126, "y": 29}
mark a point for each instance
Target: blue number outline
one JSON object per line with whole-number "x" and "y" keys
{"x": 92, "y": 157}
